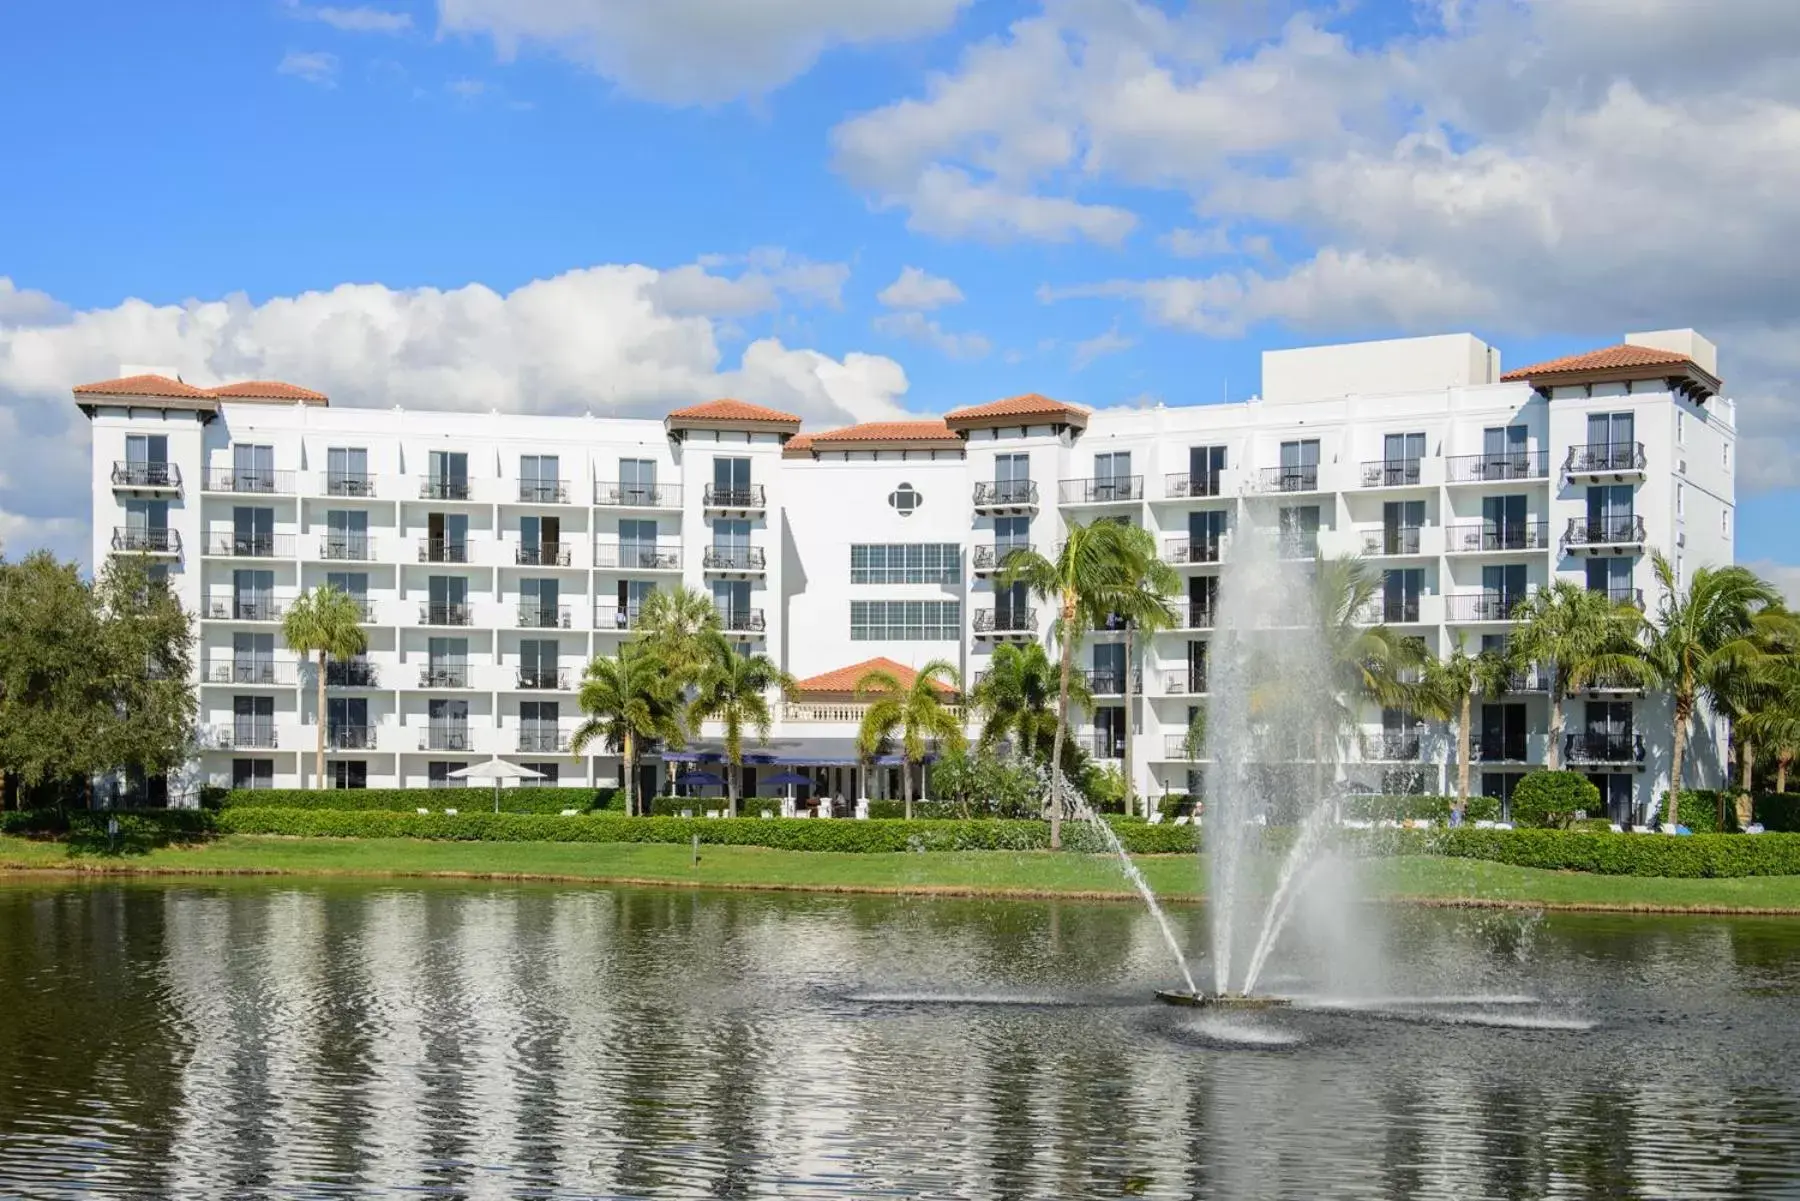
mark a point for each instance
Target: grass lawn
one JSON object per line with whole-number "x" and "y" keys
{"x": 1024, "y": 873}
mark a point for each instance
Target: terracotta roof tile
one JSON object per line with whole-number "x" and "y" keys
{"x": 727, "y": 409}
{"x": 1029, "y": 405}
{"x": 1609, "y": 358}
{"x": 268, "y": 389}
{"x": 144, "y": 385}
{"x": 933, "y": 430}
{"x": 845, "y": 679}
{"x": 799, "y": 442}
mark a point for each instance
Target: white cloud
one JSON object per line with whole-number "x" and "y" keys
{"x": 764, "y": 277}
{"x": 23, "y": 306}
{"x": 919, "y": 289}
{"x": 1099, "y": 346}
{"x": 601, "y": 339}
{"x": 917, "y": 327}
{"x": 359, "y": 19}
{"x": 695, "y": 51}
{"x": 315, "y": 67}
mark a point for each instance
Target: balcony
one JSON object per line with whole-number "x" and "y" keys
{"x": 1614, "y": 461}
{"x": 1179, "y": 748}
{"x": 248, "y": 671}
{"x": 1188, "y": 681}
{"x": 989, "y": 560}
{"x": 251, "y": 606}
{"x": 148, "y": 540}
{"x": 1191, "y": 551}
{"x": 543, "y": 617}
{"x": 1197, "y": 615}
{"x": 543, "y": 492}
{"x": 1505, "y": 749}
{"x": 241, "y": 735}
{"x": 1612, "y": 685}
{"x": 614, "y": 495}
{"x": 741, "y": 623}
{"x": 542, "y": 554}
{"x": 247, "y": 482}
{"x": 349, "y": 738}
{"x": 352, "y": 484}
{"x": 542, "y": 679}
{"x": 352, "y": 547}
{"x": 720, "y": 499}
{"x": 1102, "y": 490}
{"x": 133, "y": 475}
{"x": 1633, "y": 597}
{"x": 229, "y": 545}
{"x": 1104, "y": 747}
{"x": 542, "y": 740}
{"x": 1503, "y": 467}
{"x": 1006, "y": 496}
{"x": 1020, "y": 624}
{"x": 1394, "y": 746}
{"x": 445, "y": 737}
{"x": 637, "y": 556}
{"x": 444, "y": 674}
{"x": 733, "y": 560}
{"x": 447, "y": 615}
{"x": 1107, "y": 682}
{"x": 1622, "y": 533}
{"x": 1488, "y": 537}
{"x": 352, "y": 673}
{"x": 1182, "y": 485}
{"x": 1392, "y": 610}
{"x": 443, "y": 550}
{"x": 1529, "y": 681}
{"x": 1393, "y": 473}
{"x": 1301, "y": 478}
{"x": 1292, "y": 545}
{"x": 1625, "y": 747}
{"x": 1482, "y": 606}
{"x": 445, "y": 488}
{"x": 621, "y": 618}
{"x": 1393, "y": 540}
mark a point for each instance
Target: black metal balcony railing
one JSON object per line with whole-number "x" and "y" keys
{"x": 544, "y": 739}
{"x": 253, "y": 670}
{"x": 1199, "y": 616}
{"x": 365, "y": 608}
{"x": 251, "y": 481}
{"x": 353, "y": 673}
{"x": 1620, "y": 529}
{"x": 741, "y": 621}
{"x": 349, "y": 483}
{"x": 637, "y": 556}
{"x": 542, "y": 554}
{"x": 1613, "y": 682}
{"x": 1102, "y": 746}
{"x": 543, "y": 492}
{"x": 1396, "y": 609}
{"x": 1499, "y": 467}
{"x": 638, "y": 496}
{"x": 1504, "y": 749}
{"x": 248, "y": 735}
{"x": 1624, "y": 596}
{"x": 250, "y": 546}
{"x": 1103, "y": 681}
{"x": 149, "y": 540}
{"x": 1193, "y": 550}
{"x": 1102, "y": 490}
{"x": 616, "y": 617}
{"x": 993, "y": 558}
{"x": 1395, "y": 746}
{"x": 1178, "y": 484}
{"x": 446, "y": 615}
{"x": 135, "y": 473}
{"x": 246, "y": 607}
{"x": 1392, "y": 473}
{"x": 1605, "y": 458}
{"x": 733, "y": 558}
{"x": 541, "y": 678}
{"x": 445, "y": 738}
{"x": 1180, "y": 747}
{"x": 359, "y": 547}
{"x": 444, "y": 675}
{"x": 350, "y": 738}
{"x": 444, "y": 488}
{"x": 1188, "y": 682}
{"x": 1483, "y": 606}
{"x": 1301, "y": 478}
{"x": 1006, "y": 621}
{"x": 543, "y": 617}
{"x": 1474, "y": 536}
{"x": 443, "y": 550}
{"x": 718, "y": 496}
{"x": 993, "y": 494}
{"x": 1621, "y": 747}
{"x": 1392, "y": 540}
{"x": 1530, "y": 680}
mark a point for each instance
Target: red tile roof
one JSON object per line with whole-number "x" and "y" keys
{"x": 845, "y": 679}
{"x": 1028, "y": 405}
{"x": 933, "y": 430}
{"x": 799, "y": 443}
{"x": 732, "y": 410}
{"x": 144, "y": 385}
{"x": 268, "y": 389}
{"x": 1608, "y": 359}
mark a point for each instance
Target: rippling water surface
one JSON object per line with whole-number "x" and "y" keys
{"x": 263, "y": 1040}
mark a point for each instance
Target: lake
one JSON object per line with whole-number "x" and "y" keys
{"x": 262, "y": 1039}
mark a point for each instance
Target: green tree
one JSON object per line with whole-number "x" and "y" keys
{"x": 734, "y": 690}
{"x": 916, "y": 713}
{"x": 1016, "y": 699}
{"x": 1092, "y": 560}
{"x": 681, "y": 626}
{"x": 1703, "y": 635}
{"x": 629, "y": 699}
{"x": 1752, "y": 685}
{"x": 326, "y": 622}
{"x": 1447, "y": 693}
{"x": 1577, "y": 636}
{"x": 1140, "y": 602}
{"x": 53, "y": 696}
{"x": 1774, "y": 722}
{"x": 148, "y": 656}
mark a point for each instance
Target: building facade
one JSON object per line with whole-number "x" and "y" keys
{"x": 494, "y": 555}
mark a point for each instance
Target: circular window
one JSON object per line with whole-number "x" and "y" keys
{"x": 905, "y": 499}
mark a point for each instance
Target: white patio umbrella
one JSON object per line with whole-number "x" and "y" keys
{"x": 496, "y": 770}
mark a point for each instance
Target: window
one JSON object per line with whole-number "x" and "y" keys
{"x": 252, "y": 468}
{"x": 1300, "y": 530}
{"x": 1400, "y": 456}
{"x": 538, "y": 478}
{"x": 1505, "y": 453}
{"x": 1205, "y": 465}
{"x": 908, "y": 562}
{"x": 253, "y": 773}
{"x": 637, "y": 480}
{"x": 1725, "y": 456}
{"x": 437, "y": 774}
{"x": 349, "y": 773}
{"x": 905, "y": 500}
{"x": 1299, "y": 466}
{"x": 1680, "y": 499}
{"x": 1725, "y": 523}
{"x": 905, "y": 621}
{"x": 1611, "y": 575}
{"x": 731, "y": 481}
{"x": 1681, "y": 428}
{"x": 1400, "y": 591}
{"x": 347, "y": 471}
{"x": 1010, "y": 532}
{"x": 546, "y": 770}
{"x": 1502, "y": 734}
{"x": 449, "y": 475}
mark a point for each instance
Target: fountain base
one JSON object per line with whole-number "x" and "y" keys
{"x": 1220, "y": 1000}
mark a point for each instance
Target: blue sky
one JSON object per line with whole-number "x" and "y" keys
{"x": 1131, "y": 200}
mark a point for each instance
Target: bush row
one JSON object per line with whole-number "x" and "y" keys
{"x": 1413, "y": 808}
{"x": 1699, "y": 810}
{"x": 524, "y": 799}
{"x": 1608, "y": 854}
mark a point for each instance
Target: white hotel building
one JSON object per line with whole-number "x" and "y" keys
{"x": 495, "y": 554}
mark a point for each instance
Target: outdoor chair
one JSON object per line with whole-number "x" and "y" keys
{"x": 766, "y": 813}
{"x": 1181, "y": 819}
{"x": 570, "y": 812}
{"x": 424, "y": 813}
{"x": 1155, "y": 819}
{"x": 449, "y": 813}
{"x": 687, "y": 813}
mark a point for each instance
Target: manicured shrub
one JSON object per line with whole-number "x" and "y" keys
{"x": 1430, "y": 807}
{"x": 525, "y": 799}
{"x": 1680, "y": 856}
{"x": 1550, "y": 799}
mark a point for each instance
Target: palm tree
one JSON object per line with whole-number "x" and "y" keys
{"x": 1577, "y": 636}
{"x": 916, "y": 712}
{"x": 733, "y": 689}
{"x": 1092, "y": 560}
{"x": 681, "y": 625}
{"x": 1140, "y": 602}
{"x": 1015, "y": 698}
{"x": 629, "y": 699}
{"x": 1700, "y": 637}
{"x": 328, "y": 622}
{"x": 1752, "y": 686}
{"x": 1447, "y": 693}
{"x": 1774, "y": 724}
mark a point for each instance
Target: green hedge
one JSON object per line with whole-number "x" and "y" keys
{"x": 408, "y": 800}
{"x": 1777, "y": 812}
{"x": 1682, "y": 856}
{"x": 1430, "y": 807}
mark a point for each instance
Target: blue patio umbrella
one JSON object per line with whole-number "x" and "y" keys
{"x": 788, "y": 777}
{"x": 700, "y": 779}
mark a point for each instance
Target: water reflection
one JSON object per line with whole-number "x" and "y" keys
{"x": 476, "y": 1042}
